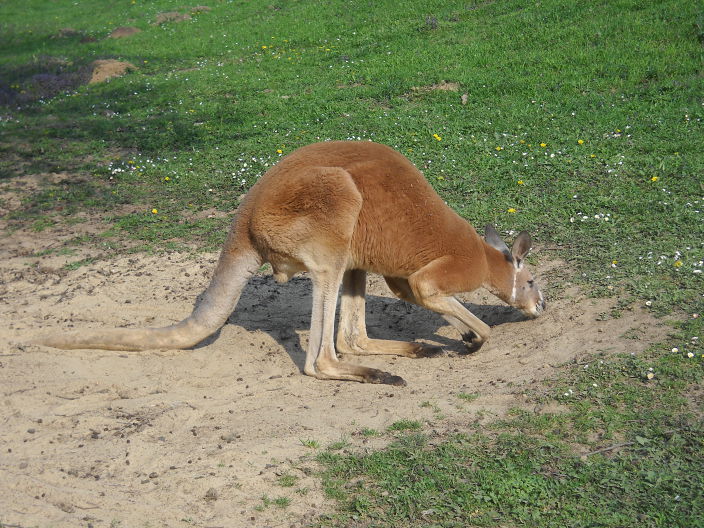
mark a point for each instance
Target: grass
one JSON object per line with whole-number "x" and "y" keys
{"x": 580, "y": 122}
{"x": 545, "y": 469}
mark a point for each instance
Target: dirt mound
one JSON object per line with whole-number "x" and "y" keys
{"x": 104, "y": 70}
{"x": 170, "y": 16}
{"x": 162, "y": 436}
{"x": 47, "y": 77}
{"x": 178, "y": 16}
{"x": 124, "y": 31}
{"x": 442, "y": 86}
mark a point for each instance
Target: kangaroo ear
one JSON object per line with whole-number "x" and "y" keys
{"x": 494, "y": 240}
{"x": 521, "y": 246}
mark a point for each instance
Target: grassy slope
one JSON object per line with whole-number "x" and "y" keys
{"x": 611, "y": 89}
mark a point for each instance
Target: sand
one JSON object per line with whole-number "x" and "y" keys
{"x": 198, "y": 437}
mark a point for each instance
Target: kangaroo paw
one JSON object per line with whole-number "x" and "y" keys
{"x": 472, "y": 341}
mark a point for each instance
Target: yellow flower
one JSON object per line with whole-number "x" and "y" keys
{"x": 167, "y": 178}
{"x": 592, "y": 155}
{"x": 543, "y": 145}
{"x": 510, "y": 210}
{"x": 522, "y": 142}
{"x": 678, "y": 263}
{"x": 154, "y": 211}
{"x": 520, "y": 182}
{"x": 580, "y": 141}
{"x": 437, "y": 137}
{"x": 499, "y": 148}
{"x": 650, "y": 375}
{"x": 654, "y": 179}
{"x": 279, "y": 151}
{"x": 264, "y": 47}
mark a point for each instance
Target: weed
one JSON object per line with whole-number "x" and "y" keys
{"x": 468, "y": 397}
{"x": 282, "y": 502}
{"x": 368, "y": 432}
{"x": 405, "y": 425}
{"x": 78, "y": 263}
{"x": 340, "y": 444}
{"x": 287, "y": 480}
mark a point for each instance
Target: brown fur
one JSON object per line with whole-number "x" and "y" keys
{"x": 338, "y": 210}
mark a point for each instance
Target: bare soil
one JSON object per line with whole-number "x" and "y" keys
{"x": 199, "y": 437}
{"x": 123, "y": 32}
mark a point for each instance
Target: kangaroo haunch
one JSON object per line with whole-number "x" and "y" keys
{"x": 337, "y": 210}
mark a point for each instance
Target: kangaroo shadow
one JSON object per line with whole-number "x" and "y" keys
{"x": 282, "y": 310}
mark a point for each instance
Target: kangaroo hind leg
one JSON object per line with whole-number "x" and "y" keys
{"x": 318, "y": 237}
{"x": 352, "y": 334}
{"x": 321, "y": 359}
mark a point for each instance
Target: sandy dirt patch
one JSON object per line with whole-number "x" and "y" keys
{"x": 164, "y": 438}
{"x": 123, "y": 32}
{"x": 104, "y": 70}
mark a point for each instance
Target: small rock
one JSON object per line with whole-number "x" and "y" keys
{"x": 229, "y": 437}
{"x": 31, "y": 430}
{"x": 153, "y": 474}
{"x": 211, "y": 495}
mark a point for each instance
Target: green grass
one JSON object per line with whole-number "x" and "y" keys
{"x": 468, "y": 397}
{"x": 581, "y": 122}
{"x": 546, "y": 470}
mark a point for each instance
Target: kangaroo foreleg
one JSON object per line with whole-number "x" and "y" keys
{"x": 433, "y": 287}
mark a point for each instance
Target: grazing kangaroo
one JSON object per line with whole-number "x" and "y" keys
{"x": 337, "y": 210}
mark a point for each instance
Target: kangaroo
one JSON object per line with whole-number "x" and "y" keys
{"x": 339, "y": 209}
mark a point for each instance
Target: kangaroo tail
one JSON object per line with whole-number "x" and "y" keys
{"x": 234, "y": 269}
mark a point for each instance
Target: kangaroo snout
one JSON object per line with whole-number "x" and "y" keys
{"x": 536, "y": 310}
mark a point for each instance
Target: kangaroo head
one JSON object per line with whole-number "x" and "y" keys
{"x": 511, "y": 281}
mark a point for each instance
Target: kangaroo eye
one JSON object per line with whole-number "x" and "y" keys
{"x": 531, "y": 282}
